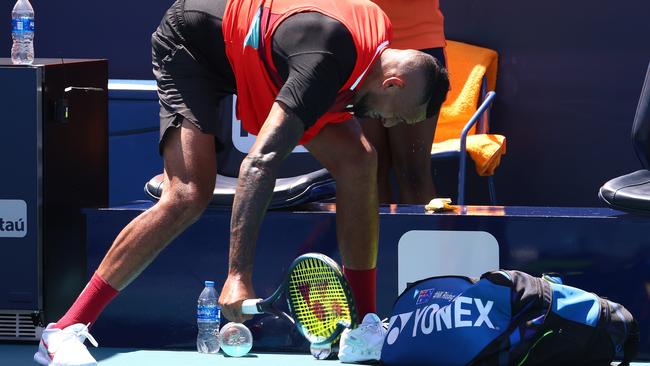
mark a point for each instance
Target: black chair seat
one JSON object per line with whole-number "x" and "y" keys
{"x": 629, "y": 192}
{"x": 310, "y": 187}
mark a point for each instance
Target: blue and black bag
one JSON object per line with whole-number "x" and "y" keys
{"x": 506, "y": 318}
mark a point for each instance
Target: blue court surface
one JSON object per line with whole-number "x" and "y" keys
{"x": 19, "y": 355}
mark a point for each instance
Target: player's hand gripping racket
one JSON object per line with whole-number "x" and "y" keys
{"x": 318, "y": 298}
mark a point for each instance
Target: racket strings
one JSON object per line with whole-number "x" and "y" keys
{"x": 318, "y": 299}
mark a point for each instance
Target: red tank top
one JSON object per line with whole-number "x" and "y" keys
{"x": 248, "y": 26}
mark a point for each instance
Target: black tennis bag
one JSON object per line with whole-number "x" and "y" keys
{"x": 506, "y": 318}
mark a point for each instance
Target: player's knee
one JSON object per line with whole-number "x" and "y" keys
{"x": 413, "y": 173}
{"x": 368, "y": 160}
{"x": 359, "y": 163}
{"x": 187, "y": 201}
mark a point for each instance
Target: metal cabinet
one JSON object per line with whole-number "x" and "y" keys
{"x": 53, "y": 162}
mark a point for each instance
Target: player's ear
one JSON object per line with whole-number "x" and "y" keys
{"x": 393, "y": 81}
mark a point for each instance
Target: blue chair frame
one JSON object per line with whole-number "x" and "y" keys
{"x": 478, "y": 116}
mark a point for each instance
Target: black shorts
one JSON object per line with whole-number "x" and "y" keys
{"x": 190, "y": 66}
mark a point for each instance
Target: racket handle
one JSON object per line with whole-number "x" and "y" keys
{"x": 249, "y": 306}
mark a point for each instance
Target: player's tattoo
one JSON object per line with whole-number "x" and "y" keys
{"x": 255, "y": 185}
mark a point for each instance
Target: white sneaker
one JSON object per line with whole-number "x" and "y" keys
{"x": 363, "y": 344}
{"x": 65, "y": 347}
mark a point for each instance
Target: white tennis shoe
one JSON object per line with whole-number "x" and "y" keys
{"x": 363, "y": 344}
{"x": 65, "y": 347}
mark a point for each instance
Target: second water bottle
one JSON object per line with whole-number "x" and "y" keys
{"x": 22, "y": 32}
{"x": 208, "y": 318}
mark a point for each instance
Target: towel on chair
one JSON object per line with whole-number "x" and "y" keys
{"x": 485, "y": 150}
{"x": 468, "y": 65}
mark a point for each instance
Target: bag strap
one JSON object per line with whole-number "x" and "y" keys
{"x": 631, "y": 346}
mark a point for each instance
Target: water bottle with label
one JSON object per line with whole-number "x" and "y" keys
{"x": 22, "y": 32}
{"x": 208, "y": 318}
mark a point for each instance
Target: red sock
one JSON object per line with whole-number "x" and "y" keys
{"x": 363, "y": 284}
{"x": 90, "y": 303}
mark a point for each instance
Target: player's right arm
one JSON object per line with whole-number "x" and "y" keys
{"x": 279, "y": 135}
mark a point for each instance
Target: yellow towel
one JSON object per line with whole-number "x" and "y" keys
{"x": 467, "y": 64}
{"x": 485, "y": 150}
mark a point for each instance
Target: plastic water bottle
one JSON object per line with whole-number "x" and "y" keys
{"x": 22, "y": 32}
{"x": 208, "y": 317}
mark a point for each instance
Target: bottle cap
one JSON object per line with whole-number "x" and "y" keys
{"x": 209, "y": 283}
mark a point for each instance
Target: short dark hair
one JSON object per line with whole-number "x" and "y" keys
{"x": 436, "y": 86}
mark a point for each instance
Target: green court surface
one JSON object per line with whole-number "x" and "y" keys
{"x": 21, "y": 355}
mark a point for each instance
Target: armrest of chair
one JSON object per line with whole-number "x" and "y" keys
{"x": 487, "y": 103}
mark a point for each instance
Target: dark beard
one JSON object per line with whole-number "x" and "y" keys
{"x": 360, "y": 108}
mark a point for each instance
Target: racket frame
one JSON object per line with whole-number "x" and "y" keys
{"x": 259, "y": 306}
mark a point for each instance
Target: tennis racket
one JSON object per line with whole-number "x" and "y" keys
{"x": 318, "y": 298}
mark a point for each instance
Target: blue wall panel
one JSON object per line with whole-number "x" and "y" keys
{"x": 133, "y": 160}
{"x": 133, "y": 116}
{"x": 570, "y": 75}
{"x": 133, "y": 138}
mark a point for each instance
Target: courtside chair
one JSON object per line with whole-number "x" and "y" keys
{"x": 288, "y": 192}
{"x": 463, "y": 124}
{"x": 631, "y": 192}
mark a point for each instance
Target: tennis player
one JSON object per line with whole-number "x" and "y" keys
{"x": 299, "y": 68}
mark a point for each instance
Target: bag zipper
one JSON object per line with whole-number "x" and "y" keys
{"x": 533, "y": 347}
